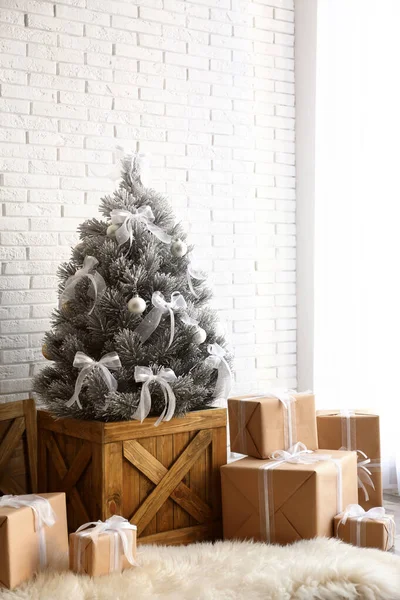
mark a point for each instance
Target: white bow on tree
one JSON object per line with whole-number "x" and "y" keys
{"x": 97, "y": 281}
{"x": 217, "y": 360}
{"x": 164, "y": 377}
{"x": 192, "y": 273}
{"x": 161, "y": 307}
{"x": 127, "y": 218}
{"x": 87, "y": 365}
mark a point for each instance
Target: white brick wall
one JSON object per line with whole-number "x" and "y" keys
{"x": 207, "y": 87}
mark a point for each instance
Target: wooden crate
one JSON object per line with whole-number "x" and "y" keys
{"x": 163, "y": 479}
{"x": 18, "y": 447}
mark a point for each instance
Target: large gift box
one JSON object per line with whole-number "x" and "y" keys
{"x": 33, "y": 535}
{"x": 280, "y": 501}
{"x": 371, "y": 529}
{"x": 101, "y": 548}
{"x": 356, "y": 430}
{"x": 261, "y": 424}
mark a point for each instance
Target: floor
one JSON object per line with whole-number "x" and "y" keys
{"x": 392, "y": 505}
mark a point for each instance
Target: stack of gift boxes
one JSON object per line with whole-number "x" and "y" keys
{"x": 306, "y": 474}
{"x": 34, "y": 536}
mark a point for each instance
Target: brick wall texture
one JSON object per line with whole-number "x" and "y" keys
{"x": 206, "y": 87}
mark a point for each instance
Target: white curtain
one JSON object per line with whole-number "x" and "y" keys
{"x": 357, "y": 215}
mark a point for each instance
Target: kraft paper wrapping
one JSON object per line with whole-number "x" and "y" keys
{"x": 302, "y": 498}
{"x": 96, "y": 554}
{"x": 359, "y": 432}
{"x": 258, "y": 424}
{"x": 19, "y": 547}
{"x": 373, "y": 534}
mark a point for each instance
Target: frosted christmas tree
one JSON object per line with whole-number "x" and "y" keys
{"x": 133, "y": 335}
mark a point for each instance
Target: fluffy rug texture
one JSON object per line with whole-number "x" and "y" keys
{"x": 320, "y": 569}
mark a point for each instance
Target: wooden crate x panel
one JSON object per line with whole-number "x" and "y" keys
{"x": 18, "y": 447}
{"x": 165, "y": 479}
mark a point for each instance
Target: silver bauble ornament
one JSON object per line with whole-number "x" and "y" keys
{"x": 178, "y": 248}
{"x": 111, "y": 229}
{"x": 136, "y": 305}
{"x": 199, "y": 336}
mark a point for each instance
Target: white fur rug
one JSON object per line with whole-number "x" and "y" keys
{"x": 319, "y": 569}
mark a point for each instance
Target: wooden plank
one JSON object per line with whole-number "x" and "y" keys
{"x": 96, "y": 497}
{"x": 198, "y": 477}
{"x": 96, "y": 431}
{"x": 218, "y": 459}
{"x": 186, "y": 535}
{"x": 112, "y": 479}
{"x": 155, "y": 471}
{"x": 10, "y": 441}
{"x": 62, "y": 470}
{"x": 181, "y": 517}
{"x": 131, "y": 488}
{"x": 169, "y": 482}
{"x": 29, "y": 408}
{"x": 193, "y": 421}
{"x": 84, "y": 430}
{"x": 8, "y": 485}
{"x": 79, "y": 464}
{"x": 146, "y": 487}
{"x": 42, "y": 462}
{"x": 11, "y": 410}
{"x": 164, "y": 454}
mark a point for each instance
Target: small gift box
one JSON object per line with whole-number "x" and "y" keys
{"x": 368, "y": 529}
{"x": 294, "y": 496}
{"x": 278, "y": 419}
{"x": 100, "y": 548}
{"x": 33, "y": 535}
{"x": 356, "y": 430}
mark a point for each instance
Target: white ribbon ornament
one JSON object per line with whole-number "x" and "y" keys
{"x": 120, "y": 532}
{"x": 43, "y": 513}
{"x": 126, "y": 219}
{"x": 161, "y": 307}
{"x": 192, "y": 273}
{"x": 217, "y": 360}
{"x": 297, "y": 454}
{"x": 164, "y": 377}
{"x": 97, "y": 281}
{"x": 86, "y": 364}
{"x": 378, "y": 513}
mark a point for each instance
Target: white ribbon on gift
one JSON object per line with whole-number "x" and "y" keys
{"x": 43, "y": 513}
{"x": 217, "y": 360}
{"x": 87, "y": 365}
{"x": 192, "y": 273}
{"x": 97, "y": 281}
{"x": 357, "y": 513}
{"x": 164, "y": 377}
{"x": 127, "y": 218}
{"x": 297, "y": 454}
{"x": 161, "y": 307}
{"x": 120, "y": 532}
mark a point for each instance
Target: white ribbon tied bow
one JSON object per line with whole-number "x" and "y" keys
{"x": 192, "y": 273}
{"x": 115, "y": 524}
{"x": 86, "y": 364}
{"x": 126, "y": 219}
{"x": 299, "y": 453}
{"x": 43, "y": 513}
{"x": 97, "y": 281}
{"x": 161, "y": 307}
{"x": 164, "y": 377}
{"x": 217, "y": 360}
{"x": 378, "y": 513}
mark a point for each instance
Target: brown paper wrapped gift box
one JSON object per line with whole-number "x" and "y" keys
{"x": 96, "y": 554}
{"x": 362, "y": 434}
{"x": 19, "y": 547}
{"x": 302, "y": 498}
{"x": 257, "y": 424}
{"x": 374, "y": 534}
